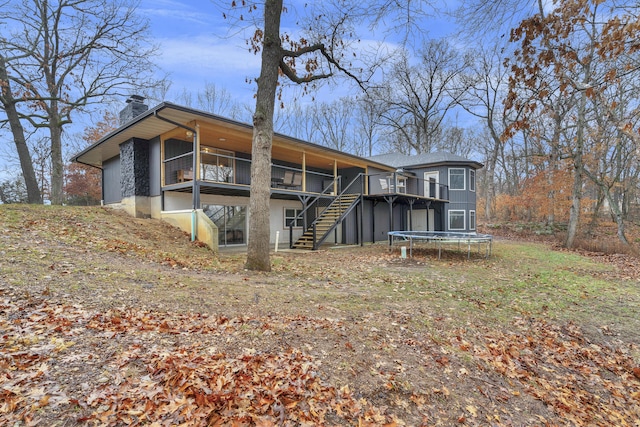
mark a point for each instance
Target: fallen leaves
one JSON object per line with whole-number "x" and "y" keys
{"x": 581, "y": 382}
{"x": 584, "y": 383}
{"x": 186, "y": 386}
{"x": 168, "y": 385}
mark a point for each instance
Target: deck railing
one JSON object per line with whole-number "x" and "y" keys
{"x": 237, "y": 170}
{"x": 400, "y": 183}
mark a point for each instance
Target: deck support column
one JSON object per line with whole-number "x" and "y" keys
{"x": 411, "y": 202}
{"x": 304, "y": 171}
{"x": 374, "y": 203}
{"x": 196, "y": 168}
{"x": 361, "y": 216}
{"x": 390, "y": 200}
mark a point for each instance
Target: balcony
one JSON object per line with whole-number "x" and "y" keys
{"x": 221, "y": 168}
{"x": 406, "y": 184}
{"x": 225, "y": 172}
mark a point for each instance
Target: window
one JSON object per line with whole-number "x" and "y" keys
{"x": 217, "y": 165}
{"x": 456, "y": 220}
{"x": 456, "y": 179}
{"x": 291, "y": 214}
{"x": 472, "y": 220}
{"x": 472, "y": 180}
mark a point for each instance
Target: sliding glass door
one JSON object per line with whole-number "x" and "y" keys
{"x": 231, "y": 222}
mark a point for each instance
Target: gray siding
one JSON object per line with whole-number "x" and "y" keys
{"x": 348, "y": 175}
{"x": 461, "y": 200}
{"x": 317, "y": 183}
{"x": 155, "y": 167}
{"x": 111, "y": 180}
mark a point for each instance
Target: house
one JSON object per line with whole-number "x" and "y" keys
{"x": 317, "y": 194}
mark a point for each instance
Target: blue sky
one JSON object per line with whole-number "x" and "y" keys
{"x": 196, "y": 47}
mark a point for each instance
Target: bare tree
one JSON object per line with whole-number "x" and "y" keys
{"x": 459, "y": 140}
{"x": 69, "y": 54}
{"x": 296, "y": 120}
{"x": 215, "y": 100}
{"x": 367, "y": 128}
{"x": 333, "y": 122}
{"x": 488, "y": 86}
{"x": 614, "y": 151}
{"x": 9, "y": 105}
{"x": 476, "y": 17}
{"x": 321, "y": 52}
{"x": 419, "y": 97}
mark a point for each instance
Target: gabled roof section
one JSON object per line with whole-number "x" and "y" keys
{"x": 399, "y": 160}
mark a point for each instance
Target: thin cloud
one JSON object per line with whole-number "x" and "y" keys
{"x": 201, "y": 54}
{"x": 179, "y": 13}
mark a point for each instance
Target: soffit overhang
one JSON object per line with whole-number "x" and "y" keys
{"x": 216, "y": 131}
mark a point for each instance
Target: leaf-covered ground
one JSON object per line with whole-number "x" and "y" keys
{"x": 109, "y": 320}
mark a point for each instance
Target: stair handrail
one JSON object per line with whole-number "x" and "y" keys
{"x": 344, "y": 192}
{"x": 325, "y": 192}
{"x": 357, "y": 179}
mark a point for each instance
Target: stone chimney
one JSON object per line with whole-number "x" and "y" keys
{"x": 135, "y": 107}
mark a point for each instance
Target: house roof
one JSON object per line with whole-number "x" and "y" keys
{"x": 166, "y": 116}
{"x": 398, "y": 160}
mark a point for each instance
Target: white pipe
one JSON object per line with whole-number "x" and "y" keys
{"x": 277, "y": 238}
{"x": 193, "y": 225}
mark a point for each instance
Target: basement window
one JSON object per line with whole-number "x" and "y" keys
{"x": 291, "y": 214}
{"x": 456, "y": 220}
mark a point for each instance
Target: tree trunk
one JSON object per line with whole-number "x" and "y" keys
{"x": 617, "y": 214}
{"x": 259, "y": 230}
{"x": 26, "y": 162}
{"x": 595, "y": 216}
{"x": 491, "y": 170}
{"x": 574, "y": 211}
{"x": 57, "y": 163}
{"x": 578, "y": 172}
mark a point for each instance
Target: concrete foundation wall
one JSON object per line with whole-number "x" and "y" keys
{"x": 206, "y": 231}
{"x": 137, "y": 206}
{"x": 155, "y": 204}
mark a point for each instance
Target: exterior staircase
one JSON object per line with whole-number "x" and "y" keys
{"x": 327, "y": 221}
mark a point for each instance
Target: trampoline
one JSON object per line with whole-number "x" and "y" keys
{"x": 440, "y": 238}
